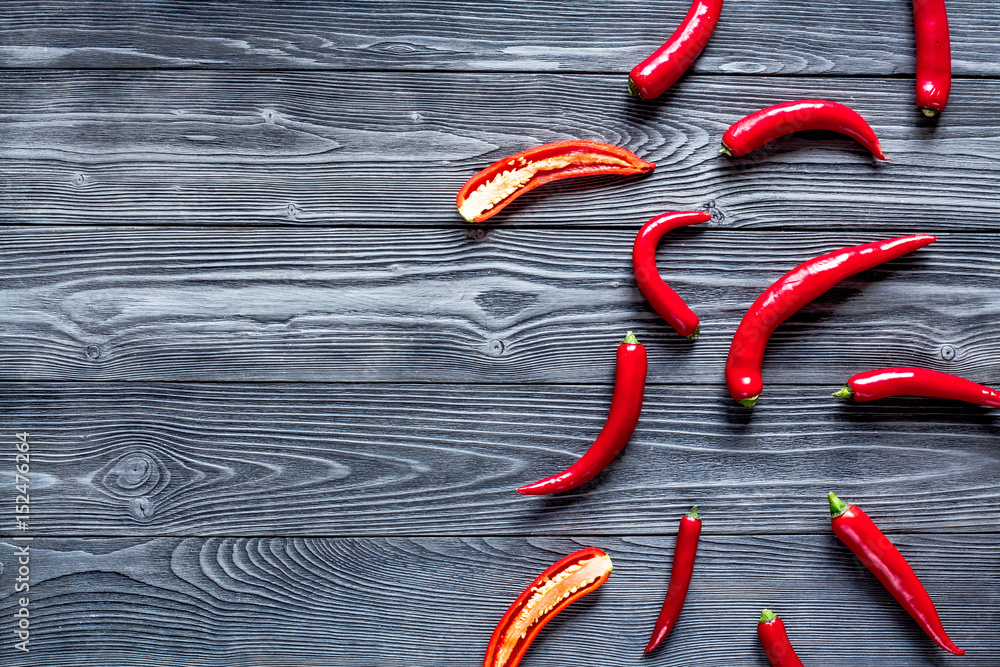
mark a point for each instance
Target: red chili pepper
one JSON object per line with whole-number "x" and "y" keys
{"x": 655, "y": 74}
{"x": 488, "y": 192}
{"x": 768, "y": 124}
{"x": 878, "y": 554}
{"x": 790, "y": 293}
{"x": 886, "y": 382}
{"x": 663, "y": 299}
{"x": 930, "y": 21}
{"x": 626, "y": 403}
{"x": 567, "y": 580}
{"x": 774, "y": 639}
{"x": 680, "y": 577}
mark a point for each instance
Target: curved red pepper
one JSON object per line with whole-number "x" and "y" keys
{"x": 878, "y": 554}
{"x": 774, "y": 639}
{"x": 655, "y": 74}
{"x": 680, "y": 578}
{"x": 489, "y": 191}
{"x": 626, "y": 403}
{"x": 930, "y": 22}
{"x": 790, "y": 293}
{"x": 664, "y": 300}
{"x": 555, "y": 589}
{"x": 768, "y": 124}
{"x": 886, "y": 382}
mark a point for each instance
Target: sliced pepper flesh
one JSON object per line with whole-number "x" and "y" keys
{"x": 567, "y": 580}
{"x": 493, "y": 188}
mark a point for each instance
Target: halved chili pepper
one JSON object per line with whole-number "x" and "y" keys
{"x": 680, "y": 578}
{"x": 664, "y": 300}
{"x": 930, "y": 22}
{"x": 565, "y": 581}
{"x": 774, "y": 639}
{"x": 768, "y": 124}
{"x": 489, "y": 191}
{"x": 655, "y": 74}
{"x": 878, "y": 554}
{"x": 902, "y": 381}
{"x": 626, "y": 403}
{"x": 790, "y": 293}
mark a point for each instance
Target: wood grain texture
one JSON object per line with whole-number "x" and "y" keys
{"x": 774, "y": 37}
{"x": 279, "y": 398}
{"x": 456, "y": 305}
{"x": 356, "y": 602}
{"x": 377, "y": 149}
{"x": 205, "y": 459}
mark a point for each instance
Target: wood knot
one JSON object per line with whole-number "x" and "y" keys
{"x": 718, "y": 217}
{"x": 135, "y": 475}
{"x": 141, "y": 509}
{"x": 495, "y": 348}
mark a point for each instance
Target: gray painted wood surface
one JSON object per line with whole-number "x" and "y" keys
{"x": 278, "y": 394}
{"x": 392, "y": 149}
{"x": 773, "y": 37}
{"x": 457, "y": 305}
{"x": 435, "y": 459}
{"x": 434, "y": 601}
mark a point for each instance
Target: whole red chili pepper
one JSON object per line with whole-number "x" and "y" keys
{"x": 886, "y": 382}
{"x": 663, "y": 299}
{"x": 567, "y": 580}
{"x": 768, "y": 124}
{"x": 790, "y": 293}
{"x": 655, "y": 74}
{"x": 680, "y": 577}
{"x": 489, "y": 191}
{"x": 878, "y": 554}
{"x": 930, "y": 21}
{"x": 774, "y": 639}
{"x": 626, "y": 403}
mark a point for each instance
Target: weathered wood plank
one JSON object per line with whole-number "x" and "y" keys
{"x": 314, "y": 601}
{"x": 513, "y": 305}
{"x": 235, "y": 148}
{"x": 765, "y": 37}
{"x": 132, "y": 459}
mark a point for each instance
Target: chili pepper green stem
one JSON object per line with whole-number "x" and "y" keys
{"x": 694, "y": 334}
{"x": 767, "y": 616}
{"x": 630, "y": 339}
{"x": 725, "y": 150}
{"x": 749, "y": 402}
{"x": 694, "y": 513}
{"x": 844, "y": 392}
{"x": 837, "y": 506}
{"x": 632, "y": 90}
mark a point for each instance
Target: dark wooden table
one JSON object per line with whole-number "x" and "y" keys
{"x": 278, "y": 395}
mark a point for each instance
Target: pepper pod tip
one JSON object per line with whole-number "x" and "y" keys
{"x": 837, "y": 506}
{"x": 767, "y": 616}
